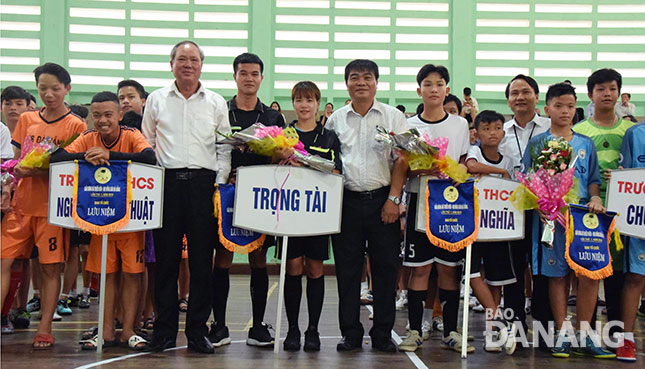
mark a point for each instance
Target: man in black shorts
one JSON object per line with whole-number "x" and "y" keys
{"x": 244, "y": 110}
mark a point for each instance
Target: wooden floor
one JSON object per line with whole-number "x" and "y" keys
{"x": 17, "y": 353}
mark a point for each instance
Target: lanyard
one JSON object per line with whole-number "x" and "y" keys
{"x": 519, "y": 147}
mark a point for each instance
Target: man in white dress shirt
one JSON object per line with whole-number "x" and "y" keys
{"x": 373, "y": 183}
{"x": 522, "y": 97}
{"x": 180, "y": 122}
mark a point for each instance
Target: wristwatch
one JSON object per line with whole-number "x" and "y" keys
{"x": 395, "y": 199}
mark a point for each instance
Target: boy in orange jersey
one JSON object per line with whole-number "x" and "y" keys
{"x": 110, "y": 141}
{"x": 27, "y": 224}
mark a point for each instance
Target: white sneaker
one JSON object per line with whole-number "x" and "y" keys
{"x": 56, "y": 317}
{"x": 437, "y": 324}
{"x": 426, "y": 330}
{"x": 402, "y": 301}
{"x": 453, "y": 342}
{"x": 472, "y": 301}
{"x": 412, "y": 342}
{"x": 479, "y": 308}
{"x": 511, "y": 343}
{"x": 492, "y": 342}
{"x": 366, "y": 297}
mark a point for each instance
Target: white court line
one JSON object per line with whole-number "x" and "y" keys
{"x": 411, "y": 355}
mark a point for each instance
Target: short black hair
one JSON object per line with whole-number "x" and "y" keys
{"x": 132, "y": 119}
{"x": 467, "y": 91}
{"x": 105, "y": 96}
{"x": 629, "y": 96}
{"x": 79, "y": 110}
{"x": 132, "y": 83}
{"x": 277, "y": 103}
{"x": 401, "y": 108}
{"x": 54, "y": 69}
{"x": 560, "y": 89}
{"x": 567, "y": 81}
{"x": 332, "y": 105}
{"x": 15, "y": 92}
{"x": 248, "y": 58}
{"x": 32, "y": 98}
{"x": 488, "y": 116}
{"x": 528, "y": 80}
{"x": 454, "y": 99}
{"x": 602, "y": 76}
{"x": 360, "y": 65}
{"x": 179, "y": 44}
{"x": 427, "y": 69}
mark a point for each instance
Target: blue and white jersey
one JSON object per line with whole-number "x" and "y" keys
{"x": 587, "y": 170}
{"x": 632, "y": 152}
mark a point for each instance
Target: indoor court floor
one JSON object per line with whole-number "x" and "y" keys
{"x": 17, "y": 353}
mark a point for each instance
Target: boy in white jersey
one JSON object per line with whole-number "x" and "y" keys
{"x": 485, "y": 159}
{"x": 420, "y": 254}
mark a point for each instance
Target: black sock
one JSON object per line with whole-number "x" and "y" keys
{"x": 292, "y": 296}
{"x": 221, "y": 285}
{"x": 315, "y": 296}
{"x": 259, "y": 290}
{"x": 450, "y": 306}
{"x": 415, "y": 308}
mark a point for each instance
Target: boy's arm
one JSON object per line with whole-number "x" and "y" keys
{"x": 595, "y": 203}
{"x": 476, "y": 167}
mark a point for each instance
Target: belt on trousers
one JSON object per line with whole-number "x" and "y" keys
{"x": 368, "y": 195}
{"x": 185, "y": 174}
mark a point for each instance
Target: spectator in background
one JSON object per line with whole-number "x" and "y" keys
{"x": 15, "y": 101}
{"x": 348, "y": 101}
{"x": 131, "y": 119}
{"x": 401, "y": 108}
{"x": 451, "y": 105}
{"x": 470, "y": 107}
{"x": 80, "y": 111}
{"x": 589, "y": 109}
{"x": 132, "y": 96}
{"x": 624, "y": 107}
{"x": 276, "y": 106}
{"x": 32, "y": 103}
{"x": 329, "y": 108}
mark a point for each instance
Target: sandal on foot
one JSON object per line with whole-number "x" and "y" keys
{"x": 183, "y": 305}
{"x": 149, "y": 324}
{"x": 93, "y": 343}
{"x": 142, "y": 333}
{"x": 136, "y": 340}
{"x": 88, "y": 334}
{"x": 41, "y": 338}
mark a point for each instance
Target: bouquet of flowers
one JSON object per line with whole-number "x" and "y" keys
{"x": 35, "y": 155}
{"x": 264, "y": 140}
{"x": 549, "y": 185}
{"x": 423, "y": 152}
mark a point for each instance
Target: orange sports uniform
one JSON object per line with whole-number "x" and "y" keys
{"x": 27, "y": 224}
{"x": 124, "y": 249}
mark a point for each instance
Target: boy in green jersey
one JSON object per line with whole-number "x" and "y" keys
{"x": 606, "y": 130}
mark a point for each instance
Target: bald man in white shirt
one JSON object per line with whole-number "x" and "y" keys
{"x": 180, "y": 122}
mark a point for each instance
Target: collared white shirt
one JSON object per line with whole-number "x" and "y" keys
{"x": 183, "y": 131}
{"x": 622, "y": 110}
{"x": 367, "y": 164}
{"x": 517, "y": 138}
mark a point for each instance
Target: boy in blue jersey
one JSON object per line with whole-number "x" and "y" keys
{"x": 632, "y": 155}
{"x": 550, "y": 262}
